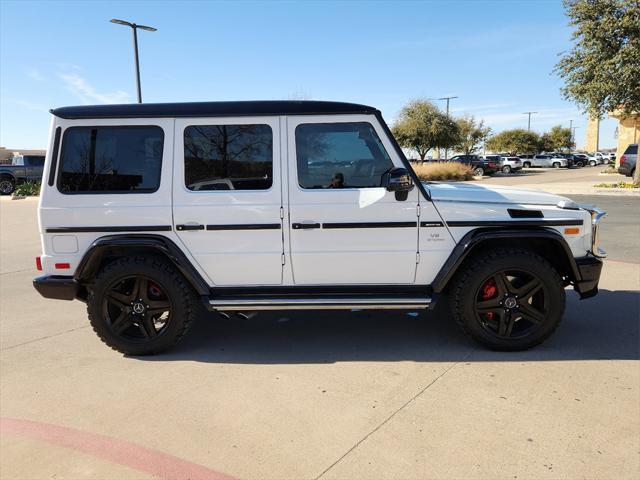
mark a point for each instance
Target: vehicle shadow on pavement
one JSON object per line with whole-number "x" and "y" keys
{"x": 605, "y": 327}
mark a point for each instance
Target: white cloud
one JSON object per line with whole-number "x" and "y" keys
{"x": 87, "y": 92}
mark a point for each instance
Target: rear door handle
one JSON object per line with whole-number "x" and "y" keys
{"x": 189, "y": 227}
{"x": 305, "y": 226}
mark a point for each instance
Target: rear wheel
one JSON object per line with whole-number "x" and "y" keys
{"x": 556, "y": 165}
{"x": 140, "y": 305}
{"x": 478, "y": 172}
{"x": 579, "y": 163}
{"x": 506, "y": 169}
{"x": 592, "y": 163}
{"x": 7, "y": 186}
{"x": 508, "y": 299}
{"x": 526, "y": 165}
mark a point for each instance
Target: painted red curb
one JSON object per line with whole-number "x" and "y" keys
{"x": 125, "y": 453}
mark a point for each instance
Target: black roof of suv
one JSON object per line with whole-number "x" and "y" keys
{"x": 213, "y": 109}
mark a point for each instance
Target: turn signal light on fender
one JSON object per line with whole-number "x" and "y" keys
{"x": 38, "y": 264}
{"x": 571, "y": 231}
{"x": 62, "y": 266}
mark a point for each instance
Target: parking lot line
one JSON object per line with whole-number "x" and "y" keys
{"x": 121, "y": 452}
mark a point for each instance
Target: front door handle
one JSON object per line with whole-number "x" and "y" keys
{"x": 305, "y": 226}
{"x": 185, "y": 227}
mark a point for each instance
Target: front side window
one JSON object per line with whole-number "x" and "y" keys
{"x": 340, "y": 155}
{"x": 111, "y": 159}
{"x": 228, "y": 157}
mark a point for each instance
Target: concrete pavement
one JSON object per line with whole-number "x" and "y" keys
{"x": 315, "y": 395}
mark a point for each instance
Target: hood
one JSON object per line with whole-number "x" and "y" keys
{"x": 471, "y": 192}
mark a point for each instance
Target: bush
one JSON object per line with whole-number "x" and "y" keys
{"x": 27, "y": 189}
{"x": 621, "y": 184}
{"x": 443, "y": 171}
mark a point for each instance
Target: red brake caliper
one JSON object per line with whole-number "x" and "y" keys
{"x": 489, "y": 290}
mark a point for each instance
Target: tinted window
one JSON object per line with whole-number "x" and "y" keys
{"x": 228, "y": 157}
{"x": 111, "y": 159}
{"x": 34, "y": 161}
{"x": 340, "y": 155}
{"x": 631, "y": 150}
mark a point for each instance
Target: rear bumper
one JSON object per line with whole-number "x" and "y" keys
{"x": 625, "y": 169}
{"x": 56, "y": 287}
{"x": 589, "y": 269}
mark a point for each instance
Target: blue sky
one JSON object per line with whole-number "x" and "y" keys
{"x": 496, "y": 56}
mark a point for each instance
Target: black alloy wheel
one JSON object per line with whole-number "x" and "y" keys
{"x": 136, "y": 308}
{"x": 508, "y": 298}
{"x": 511, "y": 304}
{"x": 141, "y": 305}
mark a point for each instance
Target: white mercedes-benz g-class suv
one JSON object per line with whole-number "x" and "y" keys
{"x": 150, "y": 212}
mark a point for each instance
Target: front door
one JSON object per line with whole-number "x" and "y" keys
{"x": 344, "y": 228}
{"x": 227, "y": 198}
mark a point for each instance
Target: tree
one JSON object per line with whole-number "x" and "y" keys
{"x": 422, "y": 126}
{"x": 560, "y": 138}
{"x": 514, "y": 141}
{"x": 472, "y": 134}
{"x": 601, "y": 70}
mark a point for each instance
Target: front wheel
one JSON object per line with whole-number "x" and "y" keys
{"x": 506, "y": 169}
{"x": 592, "y": 163}
{"x": 526, "y": 165}
{"x": 556, "y": 165}
{"x": 7, "y": 186}
{"x": 478, "y": 172}
{"x": 508, "y": 299}
{"x": 140, "y": 305}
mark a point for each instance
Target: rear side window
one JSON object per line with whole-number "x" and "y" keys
{"x": 228, "y": 157}
{"x": 631, "y": 150}
{"x": 111, "y": 159}
{"x": 340, "y": 155}
{"x": 34, "y": 161}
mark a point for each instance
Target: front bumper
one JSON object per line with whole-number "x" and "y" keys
{"x": 589, "y": 269}
{"x": 56, "y": 287}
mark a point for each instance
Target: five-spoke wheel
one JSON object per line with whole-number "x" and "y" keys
{"x": 508, "y": 298}
{"x": 141, "y": 305}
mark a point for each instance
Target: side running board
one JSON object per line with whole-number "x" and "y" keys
{"x": 318, "y": 303}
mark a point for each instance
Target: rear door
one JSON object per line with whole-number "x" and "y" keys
{"x": 227, "y": 198}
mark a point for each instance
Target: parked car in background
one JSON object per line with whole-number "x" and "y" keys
{"x": 479, "y": 165}
{"x": 510, "y": 164}
{"x": 545, "y": 160}
{"x": 23, "y": 168}
{"x": 595, "y": 159}
{"x": 580, "y": 159}
{"x": 612, "y": 157}
{"x": 628, "y": 160}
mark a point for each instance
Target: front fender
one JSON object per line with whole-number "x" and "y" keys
{"x": 475, "y": 240}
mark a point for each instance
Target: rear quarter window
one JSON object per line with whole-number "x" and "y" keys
{"x": 111, "y": 159}
{"x": 631, "y": 150}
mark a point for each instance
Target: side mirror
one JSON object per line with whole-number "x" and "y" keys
{"x": 398, "y": 180}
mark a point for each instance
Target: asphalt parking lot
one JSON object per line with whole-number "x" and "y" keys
{"x": 393, "y": 395}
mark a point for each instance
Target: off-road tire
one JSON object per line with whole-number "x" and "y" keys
{"x": 468, "y": 281}
{"x": 186, "y": 304}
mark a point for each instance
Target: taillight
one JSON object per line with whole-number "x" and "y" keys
{"x": 623, "y": 159}
{"x": 38, "y": 264}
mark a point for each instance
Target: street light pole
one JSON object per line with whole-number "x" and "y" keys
{"x": 446, "y": 150}
{"x": 135, "y": 28}
{"x": 529, "y": 121}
